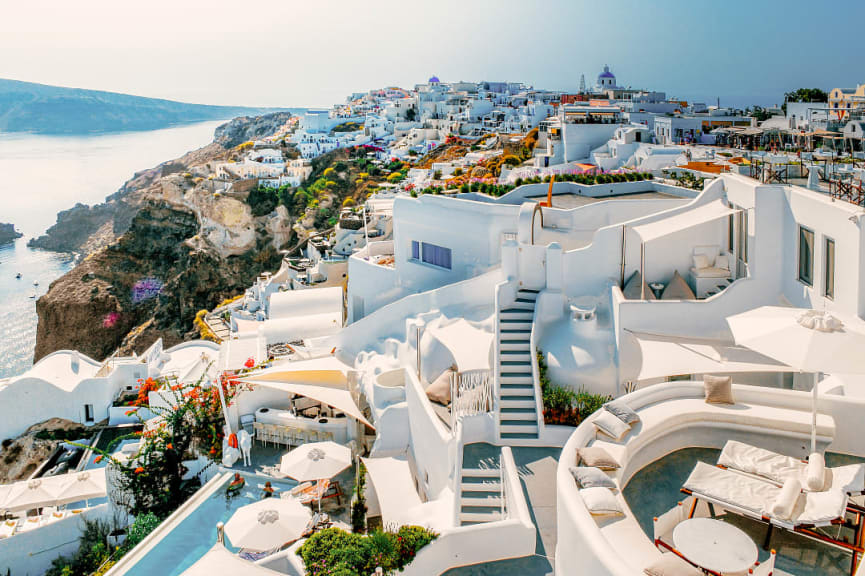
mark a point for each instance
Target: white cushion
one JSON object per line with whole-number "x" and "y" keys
{"x": 609, "y": 424}
{"x": 622, "y": 411}
{"x": 815, "y": 476}
{"x": 711, "y": 272}
{"x": 701, "y": 261}
{"x": 600, "y": 501}
{"x": 591, "y": 477}
{"x": 785, "y": 503}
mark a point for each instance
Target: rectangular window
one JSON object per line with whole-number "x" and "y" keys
{"x": 806, "y": 256}
{"x": 415, "y": 250}
{"x": 88, "y": 413}
{"x": 829, "y": 269}
{"x": 436, "y": 255}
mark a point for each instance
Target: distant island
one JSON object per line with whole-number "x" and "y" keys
{"x": 8, "y": 233}
{"x": 43, "y": 109}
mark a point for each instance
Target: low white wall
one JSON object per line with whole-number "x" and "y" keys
{"x": 432, "y": 445}
{"x": 31, "y": 553}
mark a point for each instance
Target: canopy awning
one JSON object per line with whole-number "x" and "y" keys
{"x": 657, "y": 356}
{"x": 683, "y": 220}
{"x": 394, "y": 486}
{"x": 320, "y": 379}
{"x": 470, "y": 346}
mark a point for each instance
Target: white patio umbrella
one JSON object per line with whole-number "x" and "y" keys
{"x": 83, "y": 486}
{"x": 34, "y": 493}
{"x": 315, "y": 461}
{"x": 218, "y": 560}
{"x": 267, "y": 524}
{"x": 804, "y": 339}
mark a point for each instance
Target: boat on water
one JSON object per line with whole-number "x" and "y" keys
{"x": 18, "y": 276}
{"x": 36, "y": 282}
{"x": 33, "y": 294}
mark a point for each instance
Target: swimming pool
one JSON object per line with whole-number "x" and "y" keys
{"x": 656, "y": 488}
{"x": 188, "y": 541}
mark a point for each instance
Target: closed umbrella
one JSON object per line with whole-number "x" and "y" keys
{"x": 267, "y": 524}
{"x": 315, "y": 461}
{"x": 806, "y": 340}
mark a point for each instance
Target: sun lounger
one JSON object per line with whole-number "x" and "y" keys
{"x": 778, "y": 467}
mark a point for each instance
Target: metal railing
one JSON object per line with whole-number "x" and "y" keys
{"x": 471, "y": 393}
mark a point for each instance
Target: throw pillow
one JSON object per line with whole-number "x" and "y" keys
{"x": 600, "y": 501}
{"x": 589, "y": 477}
{"x": 678, "y": 289}
{"x": 622, "y": 411}
{"x": 440, "y": 390}
{"x": 719, "y": 389}
{"x": 701, "y": 261}
{"x": 607, "y": 423}
{"x": 597, "y": 457}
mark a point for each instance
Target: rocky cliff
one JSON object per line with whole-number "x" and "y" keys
{"x": 8, "y": 233}
{"x": 162, "y": 248}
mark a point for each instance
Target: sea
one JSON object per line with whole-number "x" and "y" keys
{"x": 43, "y": 175}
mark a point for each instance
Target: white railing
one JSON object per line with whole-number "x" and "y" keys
{"x": 471, "y": 393}
{"x": 458, "y": 471}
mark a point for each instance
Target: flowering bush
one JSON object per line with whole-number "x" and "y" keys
{"x": 333, "y": 552}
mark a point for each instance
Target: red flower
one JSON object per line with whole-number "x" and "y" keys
{"x": 139, "y": 470}
{"x": 130, "y": 412}
{"x": 213, "y": 450}
{"x": 98, "y": 459}
{"x": 169, "y": 446}
{"x": 250, "y": 362}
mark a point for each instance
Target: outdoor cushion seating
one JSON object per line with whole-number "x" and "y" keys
{"x": 778, "y": 467}
{"x": 601, "y": 501}
{"x": 440, "y": 390}
{"x": 678, "y": 289}
{"x": 719, "y": 389}
{"x": 591, "y": 477}
{"x": 622, "y": 411}
{"x": 607, "y": 423}
{"x": 635, "y": 287}
{"x": 815, "y": 473}
{"x": 597, "y": 457}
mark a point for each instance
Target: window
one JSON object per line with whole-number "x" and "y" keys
{"x": 435, "y": 255}
{"x": 88, "y": 413}
{"x": 806, "y": 256}
{"x": 415, "y": 250}
{"x": 829, "y": 268}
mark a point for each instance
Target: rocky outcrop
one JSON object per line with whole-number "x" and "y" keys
{"x": 8, "y": 233}
{"x": 248, "y": 128}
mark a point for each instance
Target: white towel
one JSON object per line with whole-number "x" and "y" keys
{"x": 815, "y": 476}
{"x": 784, "y": 504}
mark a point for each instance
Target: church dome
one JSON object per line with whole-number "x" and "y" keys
{"x": 434, "y": 80}
{"x": 606, "y": 73}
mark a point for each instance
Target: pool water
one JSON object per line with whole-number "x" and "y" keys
{"x": 656, "y": 488}
{"x": 196, "y": 534}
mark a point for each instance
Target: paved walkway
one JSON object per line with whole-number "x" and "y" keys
{"x": 537, "y": 470}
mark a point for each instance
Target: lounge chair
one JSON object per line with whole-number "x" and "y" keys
{"x": 778, "y": 467}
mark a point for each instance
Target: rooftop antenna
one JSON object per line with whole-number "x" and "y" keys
{"x": 582, "y": 83}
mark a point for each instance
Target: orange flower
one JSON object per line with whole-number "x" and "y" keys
{"x": 169, "y": 446}
{"x": 250, "y": 362}
{"x": 98, "y": 459}
{"x": 139, "y": 470}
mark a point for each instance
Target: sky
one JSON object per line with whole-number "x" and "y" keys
{"x": 314, "y": 53}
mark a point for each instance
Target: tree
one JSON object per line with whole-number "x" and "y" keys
{"x": 804, "y": 95}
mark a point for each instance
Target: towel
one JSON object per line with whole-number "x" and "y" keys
{"x": 784, "y": 504}
{"x": 815, "y": 475}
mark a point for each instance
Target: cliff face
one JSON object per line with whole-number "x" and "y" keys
{"x": 8, "y": 233}
{"x": 158, "y": 251}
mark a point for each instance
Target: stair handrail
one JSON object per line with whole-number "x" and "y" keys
{"x": 458, "y": 471}
{"x": 536, "y": 375}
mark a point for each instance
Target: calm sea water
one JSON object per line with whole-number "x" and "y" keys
{"x": 42, "y": 175}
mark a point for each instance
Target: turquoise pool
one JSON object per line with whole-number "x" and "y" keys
{"x": 655, "y": 489}
{"x": 196, "y": 534}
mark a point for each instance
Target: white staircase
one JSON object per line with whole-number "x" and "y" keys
{"x": 481, "y": 498}
{"x": 517, "y": 414}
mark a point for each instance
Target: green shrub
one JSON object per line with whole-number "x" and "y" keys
{"x": 262, "y": 201}
{"x": 143, "y": 525}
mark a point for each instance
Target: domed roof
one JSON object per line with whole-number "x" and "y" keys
{"x": 434, "y": 80}
{"x": 606, "y": 73}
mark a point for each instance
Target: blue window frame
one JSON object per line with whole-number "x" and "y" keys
{"x": 415, "y": 249}
{"x": 436, "y": 255}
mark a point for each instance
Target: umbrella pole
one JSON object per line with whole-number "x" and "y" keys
{"x": 814, "y": 413}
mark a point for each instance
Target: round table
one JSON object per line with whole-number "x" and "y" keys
{"x": 715, "y": 545}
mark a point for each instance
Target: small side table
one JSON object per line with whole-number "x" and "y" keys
{"x": 657, "y": 289}
{"x": 715, "y": 545}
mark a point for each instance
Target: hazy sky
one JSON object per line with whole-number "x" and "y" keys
{"x": 299, "y": 53}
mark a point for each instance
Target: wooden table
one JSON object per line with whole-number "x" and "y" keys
{"x": 715, "y": 545}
